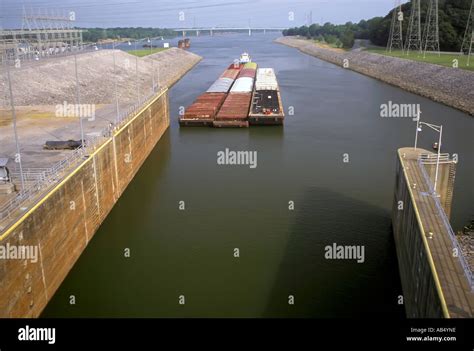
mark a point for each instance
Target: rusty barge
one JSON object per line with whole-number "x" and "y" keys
{"x": 243, "y": 95}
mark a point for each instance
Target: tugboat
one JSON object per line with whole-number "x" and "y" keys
{"x": 245, "y": 58}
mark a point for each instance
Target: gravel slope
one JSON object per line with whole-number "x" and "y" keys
{"x": 453, "y": 87}
{"x": 52, "y": 81}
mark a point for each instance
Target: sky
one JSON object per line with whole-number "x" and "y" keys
{"x": 201, "y": 13}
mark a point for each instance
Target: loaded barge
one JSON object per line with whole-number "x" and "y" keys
{"x": 243, "y": 95}
{"x": 266, "y": 100}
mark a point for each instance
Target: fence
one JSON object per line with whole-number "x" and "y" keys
{"x": 452, "y": 236}
{"x": 39, "y": 180}
{"x": 29, "y": 57}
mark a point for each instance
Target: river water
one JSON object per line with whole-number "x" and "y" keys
{"x": 190, "y": 253}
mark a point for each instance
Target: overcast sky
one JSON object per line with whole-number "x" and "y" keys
{"x": 166, "y": 13}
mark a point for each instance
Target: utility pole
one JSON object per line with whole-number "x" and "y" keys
{"x": 152, "y": 66}
{"x": 439, "y": 130}
{"x": 468, "y": 39}
{"x": 116, "y": 89}
{"x": 136, "y": 72}
{"x": 78, "y": 100}
{"x": 431, "y": 40}
{"x": 414, "y": 38}
{"x": 395, "y": 41}
{"x": 15, "y": 131}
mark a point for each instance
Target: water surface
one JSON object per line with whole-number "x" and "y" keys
{"x": 191, "y": 252}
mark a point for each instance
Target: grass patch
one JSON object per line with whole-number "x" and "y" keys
{"x": 445, "y": 60}
{"x": 327, "y": 45}
{"x": 146, "y": 52}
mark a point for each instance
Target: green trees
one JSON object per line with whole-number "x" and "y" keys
{"x": 339, "y": 36}
{"x": 453, "y": 16}
{"x": 347, "y": 39}
{"x": 95, "y": 34}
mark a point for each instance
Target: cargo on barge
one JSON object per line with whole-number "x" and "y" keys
{"x": 267, "y": 107}
{"x": 243, "y": 95}
{"x": 235, "y": 109}
{"x": 203, "y": 111}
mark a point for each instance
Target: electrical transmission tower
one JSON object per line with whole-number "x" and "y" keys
{"x": 414, "y": 39}
{"x": 395, "y": 41}
{"x": 51, "y": 19}
{"x": 431, "y": 38}
{"x": 468, "y": 39}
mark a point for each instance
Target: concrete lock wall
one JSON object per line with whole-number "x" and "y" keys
{"x": 420, "y": 296}
{"x": 63, "y": 222}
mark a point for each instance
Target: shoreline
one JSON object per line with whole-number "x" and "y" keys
{"x": 452, "y": 87}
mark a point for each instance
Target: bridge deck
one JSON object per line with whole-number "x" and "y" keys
{"x": 455, "y": 288}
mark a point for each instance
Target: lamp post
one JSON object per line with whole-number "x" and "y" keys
{"x": 152, "y": 66}
{"x": 15, "y": 131}
{"x": 116, "y": 89}
{"x": 136, "y": 72}
{"x": 418, "y": 129}
{"x": 438, "y": 129}
{"x": 78, "y": 99}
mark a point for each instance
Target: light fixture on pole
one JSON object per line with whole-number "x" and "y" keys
{"x": 438, "y": 129}
{"x": 418, "y": 129}
{"x": 117, "y": 119}
{"x": 136, "y": 72}
{"x": 15, "y": 131}
{"x": 78, "y": 99}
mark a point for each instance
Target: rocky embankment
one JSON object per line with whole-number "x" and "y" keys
{"x": 452, "y": 87}
{"x": 467, "y": 247}
{"x": 52, "y": 81}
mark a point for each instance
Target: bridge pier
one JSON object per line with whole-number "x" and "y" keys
{"x": 184, "y": 33}
{"x": 212, "y": 34}
{"x": 197, "y": 33}
{"x": 250, "y": 32}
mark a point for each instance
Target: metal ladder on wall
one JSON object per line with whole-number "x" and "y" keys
{"x": 93, "y": 213}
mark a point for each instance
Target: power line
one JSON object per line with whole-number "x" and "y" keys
{"x": 414, "y": 39}
{"x": 468, "y": 39}
{"x": 431, "y": 39}
{"x": 395, "y": 40}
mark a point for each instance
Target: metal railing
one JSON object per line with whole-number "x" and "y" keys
{"x": 432, "y": 159}
{"x": 29, "y": 57}
{"x": 452, "y": 236}
{"x": 39, "y": 180}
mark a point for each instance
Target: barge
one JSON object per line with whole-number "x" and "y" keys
{"x": 203, "y": 111}
{"x": 267, "y": 108}
{"x": 243, "y": 95}
{"x": 184, "y": 43}
{"x": 235, "y": 109}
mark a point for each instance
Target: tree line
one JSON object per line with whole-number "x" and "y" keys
{"x": 453, "y": 17}
{"x": 96, "y": 34}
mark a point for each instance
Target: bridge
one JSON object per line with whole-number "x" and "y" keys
{"x": 211, "y": 30}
